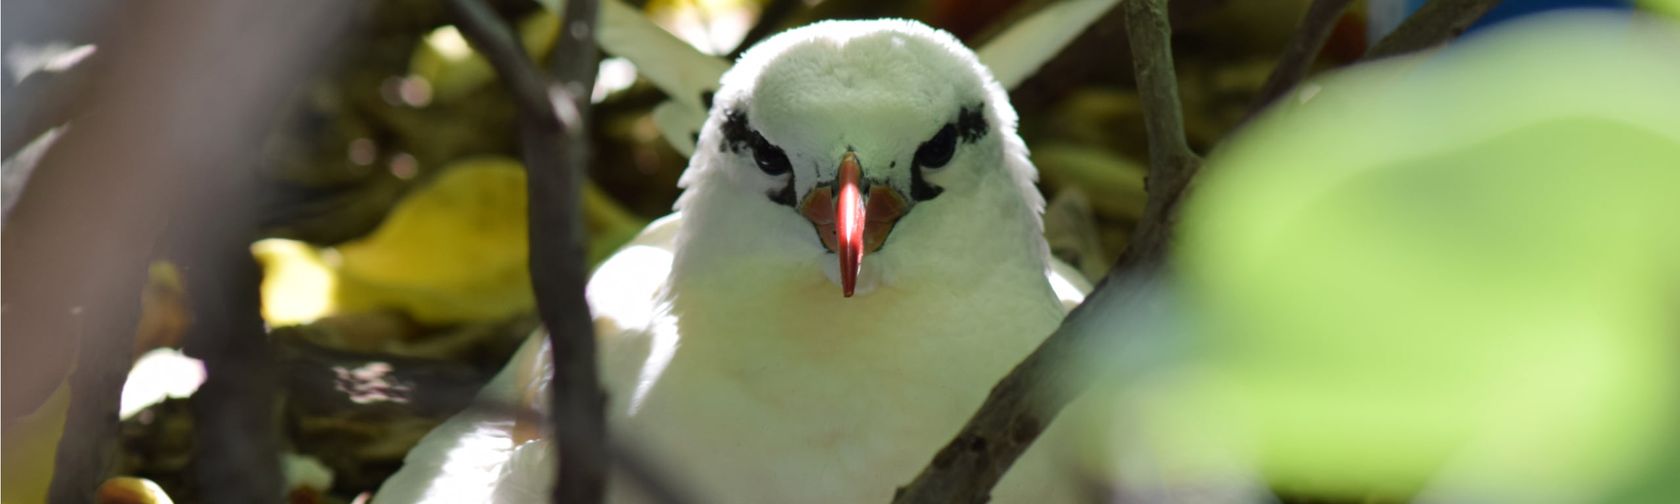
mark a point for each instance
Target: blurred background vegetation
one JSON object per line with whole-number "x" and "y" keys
{"x": 395, "y": 254}
{"x": 396, "y": 249}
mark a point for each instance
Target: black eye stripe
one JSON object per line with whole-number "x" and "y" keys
{"x": 969, "y": 127}
{"x": 937, "y": 151}
{"x": 784, "y": 196}
{"x": 739, "y": 136}
{"x": 920, "y": 189}
{"x": 971, "y": 123}
{"x": 932, "y": 154}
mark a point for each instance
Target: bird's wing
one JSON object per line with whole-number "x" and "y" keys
{"x": 627, "y": 296}
{"x": 1017, "y": 53}
{"x": 462, "y": 459}
{"x": 526, "y": 476}
{"x": 485, "y": 454}
{"x": 624, "y": 290}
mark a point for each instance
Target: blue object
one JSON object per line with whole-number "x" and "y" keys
{"x": 1384, "y": 15}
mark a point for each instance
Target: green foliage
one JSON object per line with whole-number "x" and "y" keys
{"x": 1452, "y": 273}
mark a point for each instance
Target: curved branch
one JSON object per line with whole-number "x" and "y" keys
{"x": 1433, "y": 24}
{"x": 1029, "y": 397}
{"x": 492, "y": 37}
{"x": 558, "y": 249}
{"x": 1299, "y": 55}
{"x": 554, "y": 125}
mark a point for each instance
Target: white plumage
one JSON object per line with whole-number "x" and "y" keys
{"x": 730, "y": 354}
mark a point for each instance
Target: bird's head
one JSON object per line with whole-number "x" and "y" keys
{"x": 853, "y": 142}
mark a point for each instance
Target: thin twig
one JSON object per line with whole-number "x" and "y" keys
{"x": 1433, "y": 24}
{"x": 1029, "y": 397}
{"x": 1298, "y": 56}
{"x": 236, "y": 440}
{"x": 1171, "y": 163}
{"x": 554, "y": 125}
{"x": 492, "y": 37}
{"x": 236, "y": 449}
{"x": 1091, "y": 55}
{"x": 558, "y": 248}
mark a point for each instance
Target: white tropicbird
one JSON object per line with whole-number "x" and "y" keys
{"x": 856, "y": 259}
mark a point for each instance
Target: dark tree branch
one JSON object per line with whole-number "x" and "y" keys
{"x": 1171, "y": 163}
{"x": 77, "y": 243}
{"x": 1026, "y": 400}
{"x": 43, "y": 101}
{"x": 1433, "y": 24}
{"x": 1091, "y": 57}
{"x": 1302, "y": 50}
{"x": 1029, "y": 397}
{"x": 554, "y": 125}
{"x": 558, "y": 249}
{"x": 237, "y": 454}
{"x": 492, "y": 37}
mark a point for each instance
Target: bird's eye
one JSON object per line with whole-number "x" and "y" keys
{"x": 937, "y": 151}
{"x": 770, "y": 158}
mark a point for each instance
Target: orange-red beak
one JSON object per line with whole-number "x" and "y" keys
{"x": 849, "y": 224}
